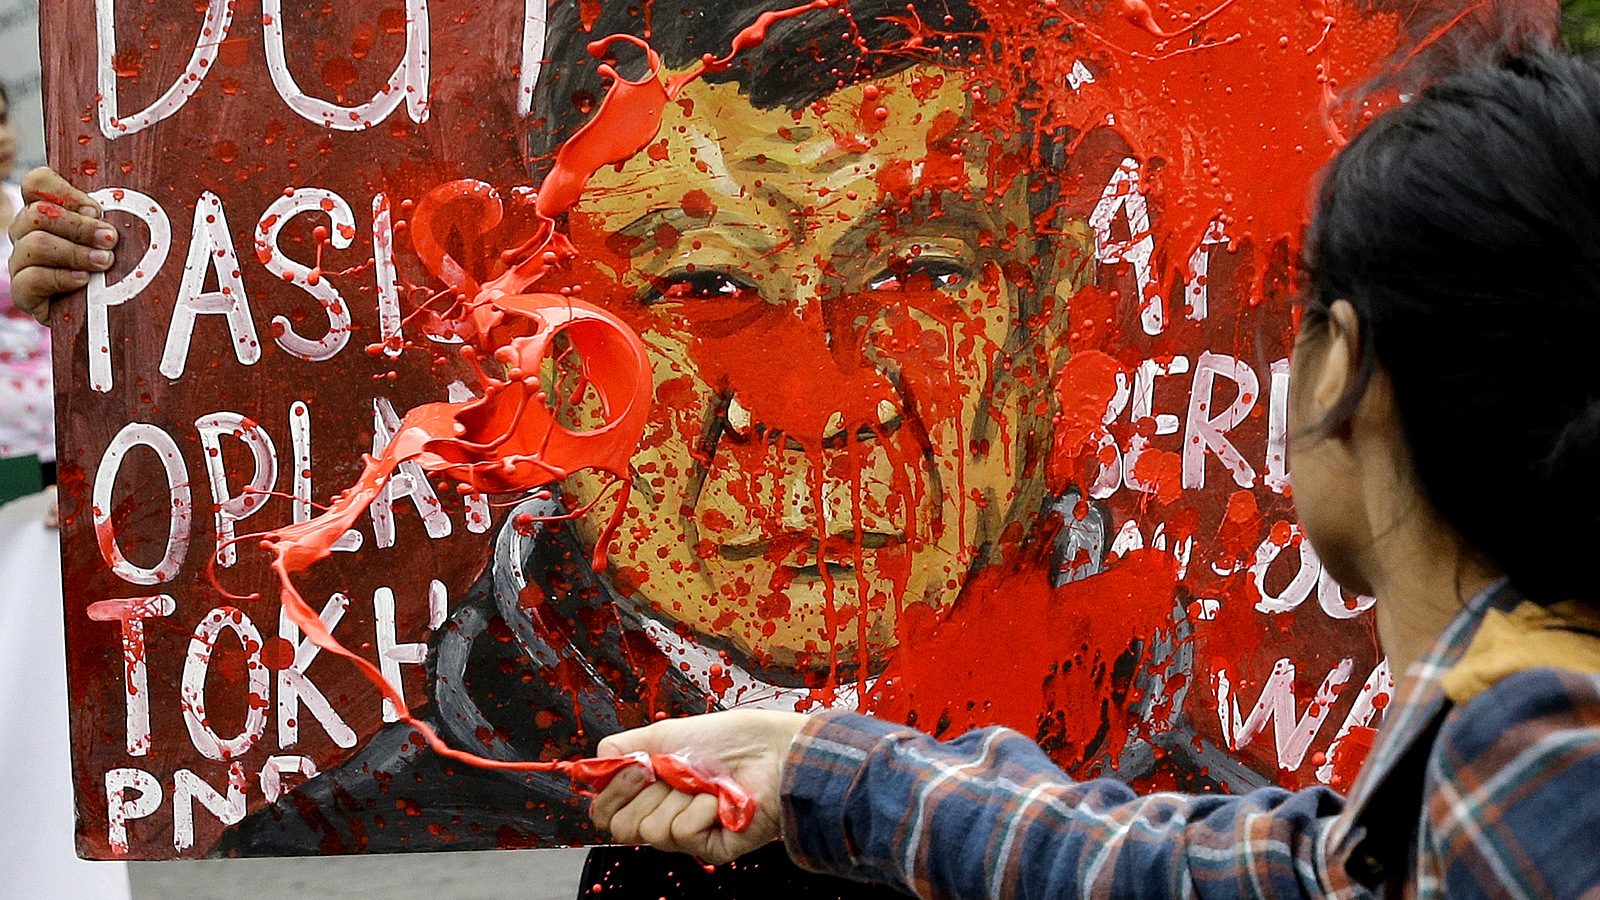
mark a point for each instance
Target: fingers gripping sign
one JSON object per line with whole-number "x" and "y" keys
{"x": 689, "y": 807}
{"x": 57, "y": 240}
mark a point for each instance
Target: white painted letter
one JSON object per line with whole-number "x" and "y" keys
{"x": 1122, "y": 193}
{"x": 131, "y": 613}
{"x": 213, "y": 33}
{"x": 1293, "y": 738}
{"x": 1375, "y": 694}
{"x": 408, "y": 481}
{"x": 193, "y": 685}
{"x": 300, "y": 446}
{"x": 187, "y": 787}
{"x": 1204, "y": 431}
{"x": 409, "y": 81}
{"x": 1277, "y": 477}
{"x": 136, "y": 434}
{"x": 294, "y": 684}
{"x": 478, "y": 519}
{"x": 1197, "y": 291}
{"x": 1109, "y": 477}
{"x": 1142, "y": 407}
{"x": 342, "y": 229}
{"x": 119, "y": 809}
{"x": 1283, "y": 535}
{"x": 103, "y": 296}
{"x": 272, "y": 774}
{"x": 1331, "y": 598}
{"x": 389, "y": 318}
{"x": 210, "y": 247}
{"x": 230, "y": 508}
{"x": 390, "y": 653}
{"x": 533, "y": 25}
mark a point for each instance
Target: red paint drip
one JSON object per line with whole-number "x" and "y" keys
{"x": 1138, "y": 12}
{"x": 509, "y": 440}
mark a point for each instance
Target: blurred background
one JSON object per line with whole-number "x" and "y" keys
{"x": 19, "y": 72}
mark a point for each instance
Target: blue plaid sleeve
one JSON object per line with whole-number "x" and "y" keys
{"x": 989, "y": 815}
{"x": 1513, "y": 804}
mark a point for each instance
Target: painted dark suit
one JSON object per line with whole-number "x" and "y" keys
{"x": 537, "y": 662}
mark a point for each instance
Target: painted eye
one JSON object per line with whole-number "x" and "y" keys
{"x": 921, "y": 273}
{"x": 702, "y": 284}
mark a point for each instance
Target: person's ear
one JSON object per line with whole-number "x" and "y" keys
{"x": 1334, "y": 366}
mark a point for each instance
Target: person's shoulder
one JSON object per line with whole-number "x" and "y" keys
{"x": 1522, "y": 709}
{"x": 1511, "y": 797}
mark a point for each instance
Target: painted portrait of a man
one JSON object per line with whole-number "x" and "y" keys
{"x": 853, "y": 273}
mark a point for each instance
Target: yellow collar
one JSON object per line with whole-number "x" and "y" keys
{"x": 1562, "y": 636}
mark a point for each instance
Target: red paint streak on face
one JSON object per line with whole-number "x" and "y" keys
{"x": 625, "y": 122}
{"x": 509, "y": 440}
{"x": 772, "y": 357}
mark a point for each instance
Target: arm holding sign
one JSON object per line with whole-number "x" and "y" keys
{"x": 985, "y": 815}
{"x": 58, "y": 239}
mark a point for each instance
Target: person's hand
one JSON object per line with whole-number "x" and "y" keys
{"x": 749, "y": 745}
{"x": 56, "y": 241}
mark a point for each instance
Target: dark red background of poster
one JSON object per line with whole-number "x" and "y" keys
{"x": 1232, "y": 126}
{"x": 236, "y": 138}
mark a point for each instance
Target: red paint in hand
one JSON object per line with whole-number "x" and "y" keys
{"x": 736, "y": 809}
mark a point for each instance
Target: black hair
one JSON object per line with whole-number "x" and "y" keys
{"x": 802, "y": 59}
{"x": 1464, "y": 228}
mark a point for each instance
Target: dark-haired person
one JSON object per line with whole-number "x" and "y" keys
{"x": 1444, "y": 355}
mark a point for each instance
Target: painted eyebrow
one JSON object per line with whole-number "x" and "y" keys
{"x": 642, "y": 227}
{"x": 963, "y": 218}
{"x": 952, "y": 210}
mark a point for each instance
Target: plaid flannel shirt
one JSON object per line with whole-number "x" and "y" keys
{"x": 1489, "y": 789}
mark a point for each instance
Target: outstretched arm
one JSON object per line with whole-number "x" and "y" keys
{"x": 989, "y": 815}
{"x": 985, "y": 815}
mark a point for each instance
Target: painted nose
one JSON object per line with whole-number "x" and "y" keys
{"x": 807, "y": 381}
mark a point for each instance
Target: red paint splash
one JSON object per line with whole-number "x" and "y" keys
{"x": 510, "y": 440}
{"x": 1220, "y": 150}
{"x": 1053, "y": 680}
{"x": 1347, "y": 754}
{"x": 1084, "y": 388}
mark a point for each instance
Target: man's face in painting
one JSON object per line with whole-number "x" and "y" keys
{"x": 833, "y": 303}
